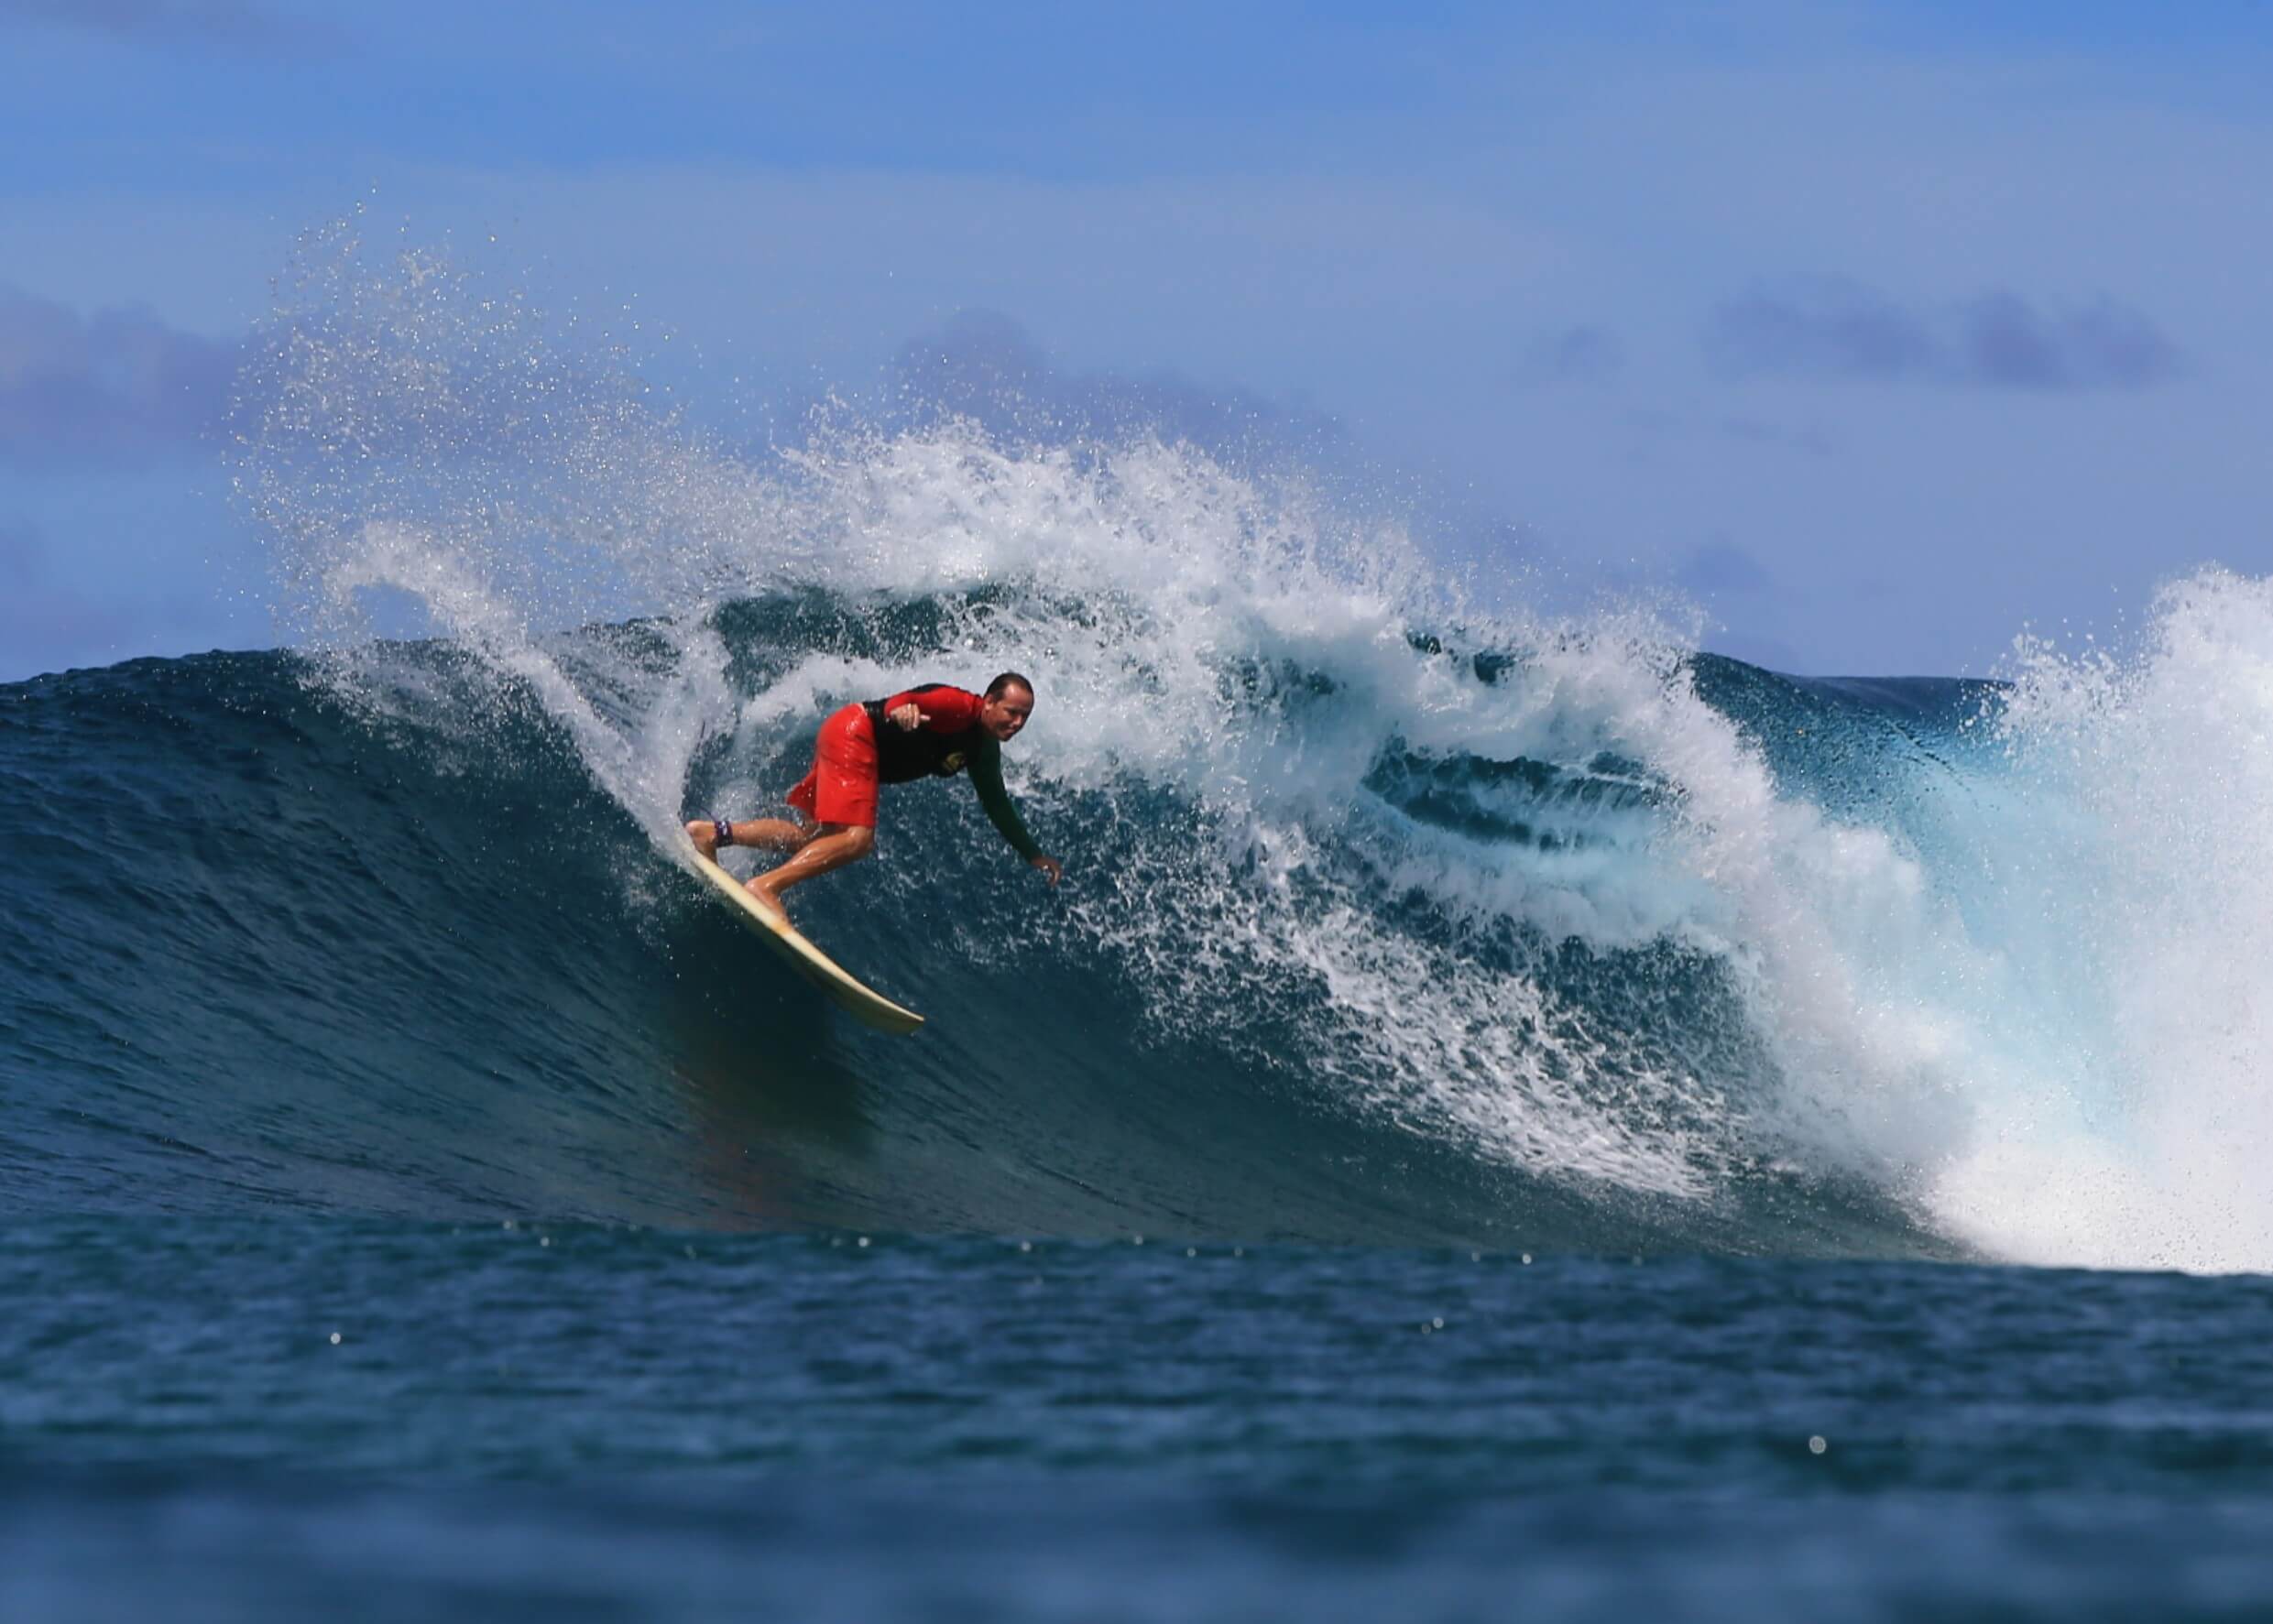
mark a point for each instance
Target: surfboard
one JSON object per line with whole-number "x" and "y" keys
{"x": 862, "y": 1003}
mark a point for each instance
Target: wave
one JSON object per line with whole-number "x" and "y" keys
{"x": 403, "y": 953}
{"x": 1390, "y": 916}
{"x": 1492, "y": 959}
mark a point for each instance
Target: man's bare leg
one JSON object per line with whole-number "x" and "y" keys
{"x": 768, "y": 833}
{"x": 827, "y": 846}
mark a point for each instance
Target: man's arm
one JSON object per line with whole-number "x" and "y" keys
{"x": 936, "y": 709}
{"x": 986, "y": 769}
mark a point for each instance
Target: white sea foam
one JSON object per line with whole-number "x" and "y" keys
{"x": 2133, "y": 876}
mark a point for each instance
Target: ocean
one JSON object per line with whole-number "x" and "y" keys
{"x": 1507, "y": 1115}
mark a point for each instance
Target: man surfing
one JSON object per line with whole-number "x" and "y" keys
{"x": 929, "y": 730}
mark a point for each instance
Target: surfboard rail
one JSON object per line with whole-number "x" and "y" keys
{"x": 844, "y": 989}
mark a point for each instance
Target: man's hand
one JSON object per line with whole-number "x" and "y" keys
{"x": 1052, "y": 869}
{"x": 908, "y": 717}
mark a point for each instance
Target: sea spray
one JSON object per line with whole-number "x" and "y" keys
{"x": 2132, "y": 844}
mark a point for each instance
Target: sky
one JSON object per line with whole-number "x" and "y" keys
{"x": 1881, "y": 333}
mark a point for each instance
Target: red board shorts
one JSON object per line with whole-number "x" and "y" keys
{"x": 841, "y": 787}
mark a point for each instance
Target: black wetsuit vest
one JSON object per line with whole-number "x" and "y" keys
{"x": 904, "y": 754}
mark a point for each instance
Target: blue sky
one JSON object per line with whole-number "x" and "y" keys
{"x": 1884, "y": 331}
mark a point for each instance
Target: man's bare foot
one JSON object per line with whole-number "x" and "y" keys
{"x": 767, "y": 899}
{"x": 703, "y": 833}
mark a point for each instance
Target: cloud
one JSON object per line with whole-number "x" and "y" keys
{"x": 984, "y": 365}
{"x": 117, "y": 389}
{"x": 1720, "y": 566}
{"x": 227, "y": 25}
{"x": 1840, "y": 330}
{"x": 1824, "y": 329}
{"x": 2108, "y": 346}
{"x": 1581, "y": 354}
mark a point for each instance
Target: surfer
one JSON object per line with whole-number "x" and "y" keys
{"x": 928, "y": 730}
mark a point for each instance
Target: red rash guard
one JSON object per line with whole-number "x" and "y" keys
{"x": 945, "y": 710}
{"x": 860, "y": 750}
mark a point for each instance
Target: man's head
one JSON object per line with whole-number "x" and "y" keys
{"x": 1009, "y": 701}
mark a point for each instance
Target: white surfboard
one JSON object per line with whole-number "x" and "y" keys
{"x": 863, "y": 1004}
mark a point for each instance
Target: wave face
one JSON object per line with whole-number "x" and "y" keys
{"x": 1387, "y": 919}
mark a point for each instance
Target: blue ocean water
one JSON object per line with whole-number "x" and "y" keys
{"x": 1505, "y": 1113}
{"x": 605, "y": 1421}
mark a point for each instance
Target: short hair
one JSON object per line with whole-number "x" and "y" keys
{"x": 1007, "y": 679}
